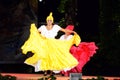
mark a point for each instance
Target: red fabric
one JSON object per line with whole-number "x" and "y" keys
{"x": 70, "y": 27}
{"x": 83, "y": 52}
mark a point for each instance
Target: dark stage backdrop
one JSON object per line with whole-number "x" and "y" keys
{"x": 15, "y": 19}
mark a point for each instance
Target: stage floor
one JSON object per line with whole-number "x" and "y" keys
{"x": 23, "y": 76}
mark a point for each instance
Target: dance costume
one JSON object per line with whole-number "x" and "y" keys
{"x": 83, "y": 52}
{"x": 49, "y": 33}
{"x": 53, "y": 54}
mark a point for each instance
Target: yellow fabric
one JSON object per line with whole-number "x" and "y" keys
{"x": 53, "y": 53}
{"x": 50, "y": 17}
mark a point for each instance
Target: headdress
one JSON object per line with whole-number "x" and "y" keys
{"x": 70, "y": 27}
{"x": 50, "y": 17}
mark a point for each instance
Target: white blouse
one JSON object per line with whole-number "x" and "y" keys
{"x": 49, "y": 33}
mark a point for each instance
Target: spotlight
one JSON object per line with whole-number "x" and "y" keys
{"x": 40, "y": 0}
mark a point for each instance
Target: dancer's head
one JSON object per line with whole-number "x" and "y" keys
{"x": 70, "y": 27}
{"x": 50, "y": 18}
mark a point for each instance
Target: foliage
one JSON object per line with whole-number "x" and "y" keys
{"x": 61, "y": 7}
{"x": 61, "y": 22}
{"x": 7, "y": 77}
{"x": 68, "y": 8}
{"x": 51, "y": 77}
{"x": 54, "y": 78}
{"x": 109, "y": 23}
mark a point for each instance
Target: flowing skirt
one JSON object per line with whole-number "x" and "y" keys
{"x": 83, "y": 52}
{"x": 53, "y": 54}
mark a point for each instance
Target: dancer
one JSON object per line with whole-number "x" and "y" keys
{"x": 83, "y": 52}
{"x": 49, "y": 53}
{"x": 50, "y": 30}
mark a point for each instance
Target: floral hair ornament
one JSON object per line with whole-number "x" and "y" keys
{"x": 50, "y": 17}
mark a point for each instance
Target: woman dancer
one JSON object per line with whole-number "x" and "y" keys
{"x": 83, "y": 52}
{"x": 50, "y": 30}
{"x": 49, "y": 53}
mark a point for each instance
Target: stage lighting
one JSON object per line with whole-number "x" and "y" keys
{"x": 40, "y": 0}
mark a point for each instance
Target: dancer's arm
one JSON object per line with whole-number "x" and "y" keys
{"x": 67, "y": 31}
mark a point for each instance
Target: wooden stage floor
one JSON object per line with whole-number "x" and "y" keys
{"x": 23, "y": 76}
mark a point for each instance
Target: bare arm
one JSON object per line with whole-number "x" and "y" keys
{"x": 67, "y": 31}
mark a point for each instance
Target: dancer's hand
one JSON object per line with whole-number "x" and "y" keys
{"x": 74, "y": 32}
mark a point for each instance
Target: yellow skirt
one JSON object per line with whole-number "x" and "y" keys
{"x": 53, "y": 54}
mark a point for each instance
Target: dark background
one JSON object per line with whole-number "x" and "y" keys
{"x": 16, "y": 17}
